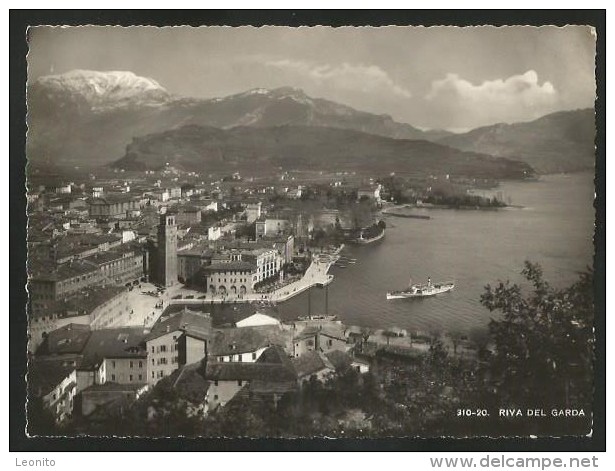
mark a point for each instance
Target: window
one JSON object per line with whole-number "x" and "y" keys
{"x": 140, "y": 377}
{"x": 140, "y": 364}
{"x": 216, "y": 397}
{"x": 152, "y": 349}
{"x": 163, "y": 348}
{"x": 239, "y": 383}
{"x": 239, "y": 357}
{"x": 330, "y": 342}
{"x": 216, "y": 383}
{"x": 130, "y": 378}
{"x": 153, "y": 363}
{"x": 254, "y": 356}
{"x": 131, "y": 364}
{"x": 152, "y": 374}
{"x": 112, "y": 377}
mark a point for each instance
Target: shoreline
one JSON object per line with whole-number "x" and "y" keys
{"x": 317, "y": 274}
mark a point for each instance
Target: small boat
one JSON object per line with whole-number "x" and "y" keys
{"x": 317, "y": 318}
{"x": 409, "y": 216}
{"x": 421, "y": 290}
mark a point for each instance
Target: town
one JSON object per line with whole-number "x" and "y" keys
{"x": 127, "y": 273}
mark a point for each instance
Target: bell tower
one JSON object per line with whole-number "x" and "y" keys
{"x": 167, "y": 250}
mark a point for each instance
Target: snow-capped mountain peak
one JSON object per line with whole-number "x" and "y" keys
{"x": 104, "y": 89}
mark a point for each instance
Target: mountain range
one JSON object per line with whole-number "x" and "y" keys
{"x": 307, "y": 148}
{"x": 95, "y": 118}
{"x": 557, "y": 142}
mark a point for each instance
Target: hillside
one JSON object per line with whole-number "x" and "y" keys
{"x": 305, "y": 147}
{"x": 558, "y": 142}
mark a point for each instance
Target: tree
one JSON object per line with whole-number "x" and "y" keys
{"x": 543, "y": 342}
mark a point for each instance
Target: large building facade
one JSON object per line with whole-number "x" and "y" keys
{"x": 234, "y": 278}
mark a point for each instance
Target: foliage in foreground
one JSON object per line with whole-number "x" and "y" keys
{"x": 541, "y": 357}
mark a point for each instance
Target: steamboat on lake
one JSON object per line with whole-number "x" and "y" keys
{"x": 421, "y": 290}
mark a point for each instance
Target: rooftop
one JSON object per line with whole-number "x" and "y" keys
{"x": 116, "y": 387}
{"x": 188, "y": 382}
{"x": 340, "y": 360}
{"x": 49, "y": 271}
{"x": 123, "y": 342}
{"x": 80, "y": 303}
{"x": 327, "y": 330}
{"x": 310, "y": 363}
{"x": 112, "y": 198}
{"x": 192, "y": 322}
{"x": 271, "y": 372}
{"x": 236, "y": 265}
{"x": 248, "y": 339}
{"x": 68, "y": 339}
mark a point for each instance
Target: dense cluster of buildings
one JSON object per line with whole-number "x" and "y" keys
{"x": 90, "y": 244}
{"x": 86, "y": 241}
{"x": 80, "y": 370}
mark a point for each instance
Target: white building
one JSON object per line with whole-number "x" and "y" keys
{"x": 214, "y": 233}
{"x": 253, "y": 212}
{"x": 271, "y": 227}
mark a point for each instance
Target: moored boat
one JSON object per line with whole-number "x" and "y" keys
{"x": 421, "y": 290}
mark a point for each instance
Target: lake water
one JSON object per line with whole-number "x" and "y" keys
{"x": 554, "y": 228}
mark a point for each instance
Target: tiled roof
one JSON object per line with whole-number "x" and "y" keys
{"x": 310, "y": 363}
{"x": 247, "y": 339}
{"x": 275, "y": 354}
{"x": 112, "y": 198}
{"x": 270, "y": 372}
{"x": 112, "y": 386}
{"x": 82, "y": 302}
{"x": 188, "y": 382}
{"x": 70, "y": 338}
{"x": 327, "y": 331}
{"x": 51, "y": 272}
{"x": 124, "y": 342}
{"x": 341, "y": 361}
{"x": 185, "y": 320}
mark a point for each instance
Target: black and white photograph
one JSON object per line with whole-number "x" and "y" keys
{"x": 286, "y": 232}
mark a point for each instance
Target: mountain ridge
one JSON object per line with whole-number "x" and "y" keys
{"x": 90, "y": 117}
{"x": 293, "y": 147}
{"x": 70, "y": 119}
{"x": 558, "y": 142}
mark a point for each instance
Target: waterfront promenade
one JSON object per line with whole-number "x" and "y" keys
{"x": 147, "y": 304}
{"x": 317, "y": 274}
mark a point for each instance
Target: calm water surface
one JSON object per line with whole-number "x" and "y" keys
{"x": 473, "y": 248}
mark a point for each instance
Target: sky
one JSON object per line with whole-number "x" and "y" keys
{"x": 438, "y": 77}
